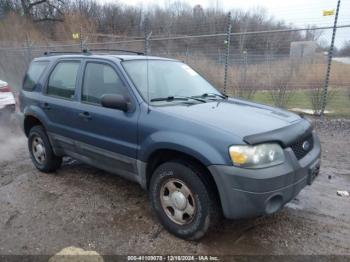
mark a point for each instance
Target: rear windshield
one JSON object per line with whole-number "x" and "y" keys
{"x": 33, "y": 74}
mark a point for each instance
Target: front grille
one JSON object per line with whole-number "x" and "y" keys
{"x": 298, "y": 149}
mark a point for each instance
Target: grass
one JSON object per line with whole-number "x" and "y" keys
{"x": 339, "y": 104}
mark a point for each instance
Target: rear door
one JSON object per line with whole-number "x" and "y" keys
{"x": 60, "y": 103}
{"x": 108, "y": 136}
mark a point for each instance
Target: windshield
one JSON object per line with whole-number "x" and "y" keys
{"x": 167, "y": 79}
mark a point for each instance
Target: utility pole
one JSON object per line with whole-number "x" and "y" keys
{"x": 329, "y": 64}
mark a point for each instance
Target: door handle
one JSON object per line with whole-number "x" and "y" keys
{"x": 46, "y": 106}
{"x": 85, "y": 115}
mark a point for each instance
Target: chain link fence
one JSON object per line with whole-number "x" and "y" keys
{"x": 276, "y": 67}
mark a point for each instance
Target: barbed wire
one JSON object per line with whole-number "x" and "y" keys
{"x": 178, "y": 37}
{"x": 257, "y": 61}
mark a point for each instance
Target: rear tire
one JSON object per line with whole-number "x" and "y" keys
{"x": 185, "y": 206}
{"x": 41, "y": 151}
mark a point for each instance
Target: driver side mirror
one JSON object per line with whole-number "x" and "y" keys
{"x": 115, "y": 101}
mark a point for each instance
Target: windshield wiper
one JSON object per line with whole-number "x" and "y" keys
{"x": 176, "y": 98}
{"x": 223, "y": 96}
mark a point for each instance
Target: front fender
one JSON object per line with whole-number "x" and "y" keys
{"x": 207, "y": 154}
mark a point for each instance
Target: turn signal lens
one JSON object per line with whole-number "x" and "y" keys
{"x": 238, "y": 158}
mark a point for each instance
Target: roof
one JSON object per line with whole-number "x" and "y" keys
{"x": 101, "y": 55}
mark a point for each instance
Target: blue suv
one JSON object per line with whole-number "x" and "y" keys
{"x": 156, "y": 121}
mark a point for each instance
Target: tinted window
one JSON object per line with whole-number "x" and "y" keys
{"x": 63, "y": 79}
{"x": 33, "y": 74}
{"x": 100, "y": 79}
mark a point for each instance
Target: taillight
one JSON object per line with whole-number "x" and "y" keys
{"x": 5, "y": 89}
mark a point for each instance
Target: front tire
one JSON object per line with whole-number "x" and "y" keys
{"x": 185, "y": 206}
{"x": 41, "y": 151}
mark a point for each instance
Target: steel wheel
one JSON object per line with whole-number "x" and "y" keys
{"x": 38, "y": 149}
{"x": 177, "y": 201}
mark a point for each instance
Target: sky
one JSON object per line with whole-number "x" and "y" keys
{"x": 298, "y": 12}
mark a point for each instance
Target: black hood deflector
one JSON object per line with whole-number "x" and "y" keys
{"x": 284, "y": 136}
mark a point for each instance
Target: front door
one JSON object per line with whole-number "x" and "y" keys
{"x": 108, "y": 136}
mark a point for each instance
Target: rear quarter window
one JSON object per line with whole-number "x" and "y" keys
{"x": 33, "y": 74}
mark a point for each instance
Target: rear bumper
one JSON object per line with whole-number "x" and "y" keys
{"x": 254, "y": 192}
{"x": 8, "y": 108}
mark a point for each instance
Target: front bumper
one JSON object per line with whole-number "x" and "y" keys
{"x": 254, "y": 192}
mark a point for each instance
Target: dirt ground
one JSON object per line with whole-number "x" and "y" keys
{"x": 87, "y": 208}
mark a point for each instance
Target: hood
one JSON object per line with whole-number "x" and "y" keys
{"x": 239, "y": 117}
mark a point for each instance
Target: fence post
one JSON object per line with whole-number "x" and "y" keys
{"x": 29, "y": 50}
{"x": 329, "y": 64}
{"x": 147, "y": 36}
{"x": 227, "y": 42}
{"x": 83, "y": 40}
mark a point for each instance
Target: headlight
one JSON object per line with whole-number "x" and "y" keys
{"x": 258, "y": 156}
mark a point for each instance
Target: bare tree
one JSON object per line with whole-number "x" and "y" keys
{"x": 43, "y": 10}
{"x": 248, "y": 81}
{"x": 315, "y": 95}
{"x": 281, "y": 90}
{"x": 344, "y": 50}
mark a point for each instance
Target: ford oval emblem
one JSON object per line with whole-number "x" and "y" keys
{"x": 306, "y": 145}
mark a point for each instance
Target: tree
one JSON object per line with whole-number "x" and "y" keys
{"x": 35, "y": 10}
{"x": 43, "y": 10}
{"x": 345, "y": 49}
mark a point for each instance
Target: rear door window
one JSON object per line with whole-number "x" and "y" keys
{"x": 63, "y": 79}
{"x": 33, "y": 74}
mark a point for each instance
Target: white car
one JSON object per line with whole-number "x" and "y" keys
{"x": 7, "y": 99}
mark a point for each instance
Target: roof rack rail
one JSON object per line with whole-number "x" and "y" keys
{"x": 117, "y": 50}
{"x": 84, "y": 51}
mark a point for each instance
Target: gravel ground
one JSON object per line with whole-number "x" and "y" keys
{"x": 85, "y": 207}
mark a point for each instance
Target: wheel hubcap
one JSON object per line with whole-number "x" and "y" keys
{"x": 177, "y": 201}
{"x": 38, "y": 149}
